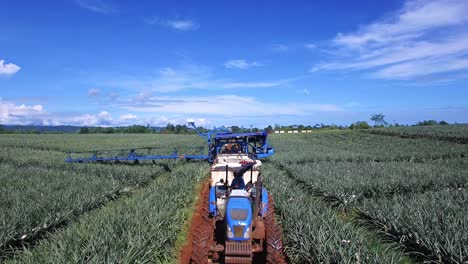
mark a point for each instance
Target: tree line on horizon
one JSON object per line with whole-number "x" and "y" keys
{"x": 377, "y": 119}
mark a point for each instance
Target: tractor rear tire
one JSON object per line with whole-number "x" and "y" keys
{"x": 202, "y": 236}
{"x": 274, "y": 236}
{"x": 202, "y": 240}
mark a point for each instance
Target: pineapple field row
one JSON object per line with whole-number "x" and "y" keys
{"x": 341, "y": 197}
{"x": 402, "y": 199}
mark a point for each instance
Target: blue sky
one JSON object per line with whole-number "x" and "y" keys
{"x": 108, "y": 62}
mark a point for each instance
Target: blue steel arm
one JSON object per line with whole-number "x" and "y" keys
{"x": 213, "y": 149}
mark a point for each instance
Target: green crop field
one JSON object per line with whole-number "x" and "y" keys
{"x": 355, "y": 197}
{"x": 455, "y": 133}
{"x": 396, "y": 195}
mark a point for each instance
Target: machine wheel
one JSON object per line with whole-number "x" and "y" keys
{"x": 201, "y": 245}
{"x": 202, "y": 236}
{"x": 274, "y": 236}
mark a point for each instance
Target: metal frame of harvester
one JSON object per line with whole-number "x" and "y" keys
{"x": 252, "y": 143}
{"x": 238, "y": 205}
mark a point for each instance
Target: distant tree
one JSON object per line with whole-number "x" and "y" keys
{"x": 427, "y": 123}
{"x": 84, "y": 130}
{"x": 443, "y": 123}
{"x": 108, "y": 130}
{"x": 170, "y": 128}
{"x": 360, "y": 125}
{"x": 235, "y": 129}
{"x": 268, "y": 129}
{"x": 378, "y": 119}
{"x": 137, "y": 129}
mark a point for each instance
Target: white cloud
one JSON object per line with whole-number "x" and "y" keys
{"x": 232, "y": 85}
{"x": 10, "y": 112}
{"x": 306, "y": 91}
{"x": 186, "y": 77}
{"x": 128, "y": 117}
{"x": 21, "y": 114}
{"x": 93, "y": 92}
{"x": 9, "y": 68}
{"x": 142, "y": 96}
{"x": 178, "y": 24}
{"x": 224, "y": 105}
{"x": 352, "y": 104}
{"x": 97, "y": 6}
{"x": 413, "y": 20}
{"x": 241, "y": 64}
{"x": 183, "y": 24}
{"x": 310, "y": 46}
{"x": 423, "y": 38}
{"x": 198, "y": 121}
{"x": 101, "y": 119}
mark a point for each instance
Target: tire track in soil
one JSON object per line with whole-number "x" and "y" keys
{"x": 13, "y": 246}
{"x": 201, "y": 230}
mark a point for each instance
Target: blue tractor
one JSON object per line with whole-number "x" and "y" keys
{"x": 238, "y": 204}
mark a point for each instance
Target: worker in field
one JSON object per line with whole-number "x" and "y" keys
{"x": 227, "y": 149}
{"x": 238, "y": 181}
{"x": 235, "y": 148}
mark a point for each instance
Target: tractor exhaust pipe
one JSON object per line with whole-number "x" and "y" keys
{"x": 226, "y": 181}
{"x": 258, "y": 193}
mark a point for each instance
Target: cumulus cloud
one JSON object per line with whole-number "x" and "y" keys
{"x": 422, "y": 38}
{"x": 19, "y": 114}
{"x": 241, "y": 64}
{"x": 101, "y": 119}
{"x": 8, "y": 68}
{"x": 22, "y": 114}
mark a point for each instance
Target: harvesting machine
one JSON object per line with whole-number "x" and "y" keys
{"x": 254, "y": 144}
{"x": 238, "y": 212}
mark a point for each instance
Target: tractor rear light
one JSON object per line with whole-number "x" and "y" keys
{"x": 247, "y": 233}
{"x": 229, "y": 232}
